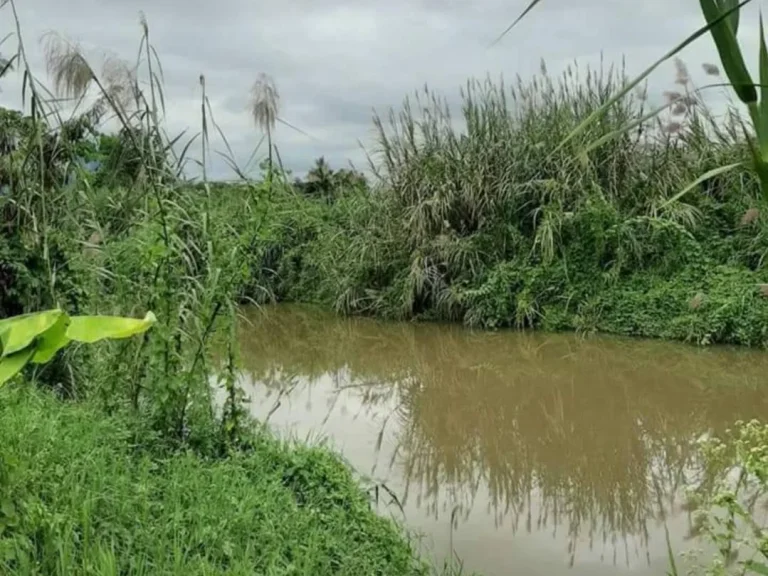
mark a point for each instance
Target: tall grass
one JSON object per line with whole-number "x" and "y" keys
{"x": 722, "y": 18}
{"x": 82, "y": 495}
{"x": 486, "y": 219}
{"x": 150, "y": 242}
{"x": 143, "y": 474}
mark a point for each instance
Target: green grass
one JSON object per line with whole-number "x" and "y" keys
{"x": 81, "y": 496}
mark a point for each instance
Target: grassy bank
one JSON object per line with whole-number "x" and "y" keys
{"x": 608, "y": 272}
{"x": 86, "y": 493}
{"x": 490, "y": 224}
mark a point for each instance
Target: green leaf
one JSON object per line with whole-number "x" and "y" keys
{"x": 53, "y": 340}
{"x": 12, "y": 364}
{"x": 6, "y": 321}
{"x": 728, "y": 48}
{"x": 761, "y": 122}
{"x": 91, "y": 329}
{"x": 706, "y": 176}
{"x": 18, "y": 332}
{"x": 523, "y": 15}
{"x": 760, "y": 166}
{"x": 733, "y": 18}
{"x": 756, "y": 567}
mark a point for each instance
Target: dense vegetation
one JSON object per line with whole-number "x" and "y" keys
{"x": 494, "y": 224}
{"x": 114, "y": 457}
{"x": 488, "y": 227}
{"x": 484, "y": 225}
{"x": 85, "y": 493}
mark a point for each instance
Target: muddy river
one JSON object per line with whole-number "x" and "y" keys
{"x": 519, "y": 453}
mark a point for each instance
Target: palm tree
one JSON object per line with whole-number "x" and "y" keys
{"x": 320, "y": 179}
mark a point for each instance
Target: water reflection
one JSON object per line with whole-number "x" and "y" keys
{"x": 586, "y": 442}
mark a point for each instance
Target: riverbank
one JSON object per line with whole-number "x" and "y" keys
{"x": 608, "y": 271}
{"x": 496, "y": 225}
{"x": 493, "y": 225}
{"x": 84, "y": 492}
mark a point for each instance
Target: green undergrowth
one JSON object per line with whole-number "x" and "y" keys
{"x": 607, "y": 273}
{"x": 86, "y": 493}
{"x": 495, "y": 225}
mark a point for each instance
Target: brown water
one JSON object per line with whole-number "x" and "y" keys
{"x": 523, "y": 453}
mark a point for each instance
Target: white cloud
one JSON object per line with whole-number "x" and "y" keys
{"x": 336, "y": 60}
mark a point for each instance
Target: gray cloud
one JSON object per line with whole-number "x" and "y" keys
{"x": 336, "y": 60}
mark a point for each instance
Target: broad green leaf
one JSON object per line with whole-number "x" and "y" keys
{"x": 6, "y": 321}
{"x": 53, "y": 340}
{"x": 12, "y": 364}
{"x": 91, "y": 329}
{"x": 699, "y": 180}
{"x": 17, "y": 333}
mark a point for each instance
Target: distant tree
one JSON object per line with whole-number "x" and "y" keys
{"x": 319, "y": 180}
{"x": 323, "y": 182}
{"x": 349, "y": 179}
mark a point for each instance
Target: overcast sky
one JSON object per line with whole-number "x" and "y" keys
{"x": 334, "y": 61}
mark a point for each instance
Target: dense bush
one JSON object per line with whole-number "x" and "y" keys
{"x": 489, "y": 227}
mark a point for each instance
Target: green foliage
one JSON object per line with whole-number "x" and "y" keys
{"x": 490, "y": 227}
{"x": 37, "y": 336}
{"x": 729, "y": 499}
{"x": 79, "y": 495}
{"x": 722, "y": 19}
{"x": 494, "y": 224}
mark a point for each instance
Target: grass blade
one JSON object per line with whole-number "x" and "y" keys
{"x": 631, "y": 85}
{"x": 525, "y": 12}
{"x": 704, "y": 177}
{"x": 299, "y": 130}
{"x": 733, "y": 19}
{"x": 624, "y": 129}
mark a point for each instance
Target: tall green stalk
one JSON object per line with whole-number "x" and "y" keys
{"x": 722, "y": 22}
